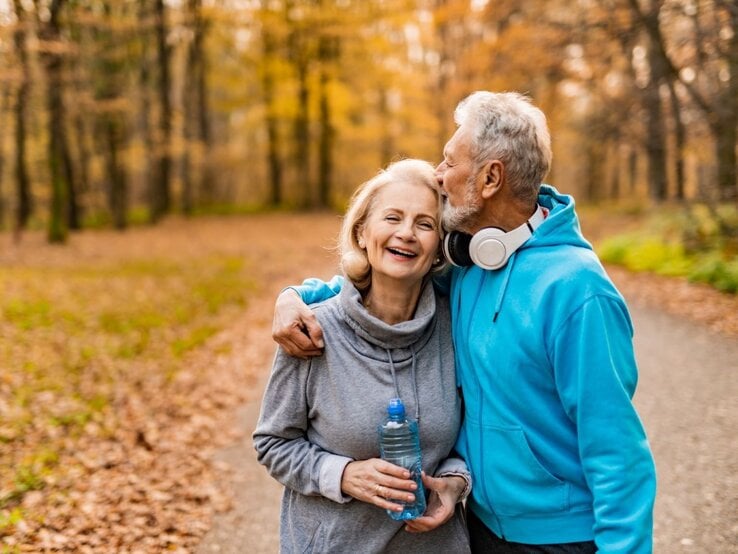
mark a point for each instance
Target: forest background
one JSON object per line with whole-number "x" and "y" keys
{"x": 116, "y": 113}
{"x": 159, "y": 117}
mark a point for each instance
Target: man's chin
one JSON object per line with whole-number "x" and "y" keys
{"x": 455, "y": 219}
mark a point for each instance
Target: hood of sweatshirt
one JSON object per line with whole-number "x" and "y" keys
{"x": 561, "y": 227}
{"x": 413, "y": 333}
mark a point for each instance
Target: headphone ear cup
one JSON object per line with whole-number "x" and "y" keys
{"x": 488, "y": 248}
{"x": 456, "y": 248}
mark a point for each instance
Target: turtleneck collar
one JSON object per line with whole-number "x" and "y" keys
{"x": 381, "y": 334}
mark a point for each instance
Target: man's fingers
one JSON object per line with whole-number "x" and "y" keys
{"x": 433, "y": 517}
{"x": 294, "y": 326}
{"x": 423, "y": 524}
{"x": 314, "y": 332}
{"x": 432, "y": 483}
{"x": 297, "y": 350}
{"x": 299, "y": 335}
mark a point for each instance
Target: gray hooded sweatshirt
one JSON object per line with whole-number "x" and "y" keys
{"x": 319, "y": 414}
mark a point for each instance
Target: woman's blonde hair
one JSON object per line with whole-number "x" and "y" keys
{"x": 354, "y": 261}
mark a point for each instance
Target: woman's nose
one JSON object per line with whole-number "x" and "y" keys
{"x": 406, "y": 231}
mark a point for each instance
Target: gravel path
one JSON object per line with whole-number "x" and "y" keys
{"x": 687, "y": 399}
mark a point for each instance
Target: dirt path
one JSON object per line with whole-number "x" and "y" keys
{"x": 686, "y": 398}
{"x": 148, "y": 472}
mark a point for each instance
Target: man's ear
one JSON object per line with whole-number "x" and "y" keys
{"x": 494, "y": 177}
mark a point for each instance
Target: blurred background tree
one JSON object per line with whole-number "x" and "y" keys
{"x": 122, "y": 112}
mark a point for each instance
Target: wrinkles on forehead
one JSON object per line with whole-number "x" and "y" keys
{"x": 458, "y": 146}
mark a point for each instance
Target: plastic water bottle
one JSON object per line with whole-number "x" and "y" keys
{"x": 399, "y": 444}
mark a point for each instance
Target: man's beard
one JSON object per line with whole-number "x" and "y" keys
{"x": 463, "y": 218}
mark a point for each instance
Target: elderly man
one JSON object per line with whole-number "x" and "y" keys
{"x": 543, "y": 343}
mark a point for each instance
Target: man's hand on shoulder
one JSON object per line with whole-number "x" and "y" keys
{"x": 295, "y": 328}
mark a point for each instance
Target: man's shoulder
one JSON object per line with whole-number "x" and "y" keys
{"x": 576, "y": 271}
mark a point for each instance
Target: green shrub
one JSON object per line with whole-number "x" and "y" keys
{"x": 715, "y": 271}
{"x": 699, "y": 244}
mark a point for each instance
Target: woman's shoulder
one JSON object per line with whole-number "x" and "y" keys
{"x": 328, "y": 312}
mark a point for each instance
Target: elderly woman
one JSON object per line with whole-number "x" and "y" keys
{"x": 386, "y": 334}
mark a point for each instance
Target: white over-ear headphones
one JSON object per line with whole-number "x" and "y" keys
{"x": 489, "y": 248}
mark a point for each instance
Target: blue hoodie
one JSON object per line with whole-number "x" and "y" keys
{"x": 545, "y": 361}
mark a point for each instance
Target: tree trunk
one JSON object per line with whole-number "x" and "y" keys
{"x": 325, "y": 148}
{"x": 593, "y": 182}
{"x": 442, "y": 108}
{"x": 24, "y": 204}
{"x": 187, "y": 170}
{"x": 63, "y": 202}
{"x": 204, "y": 135}
{"x": 302, "y": 133}
{"x": 197, "y": 116}
{"x": 727, "y": 128}
{"x": 145, "y": 93}
{"x": 327, "y": 53}
{"x": 299, "y": 54}
{"x": 655, "y": 129}
{"x": 616, "y": 171}
{"x": 83, "y": 155}
{"x": 161, "y": 197}
{"x": 632, "y": 170}
{"x": 189, "y": 104}
{"x": 117, "y": 187}
{"x": 111, "y": 123}
{"x": 387, "y": 145}
{"x": 679, "y": 142}
{"x": 273, "y": 160}
{"x": 4, "y": 101}
{"x": 725, "y": 143}
{"x": 74, "y": 207}
{"x": 57, "y": 231}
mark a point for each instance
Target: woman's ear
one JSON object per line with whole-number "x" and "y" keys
{"x": 360, "y": 237}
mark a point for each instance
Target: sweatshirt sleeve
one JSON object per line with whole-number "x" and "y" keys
{"x": 455, "y": 465}
{"x": 315, "y": 290}
{"x": 596, "y": 375}
{"x": 280, "y": 437}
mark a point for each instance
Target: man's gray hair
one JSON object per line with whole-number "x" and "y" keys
{"x": 506, "y": 126}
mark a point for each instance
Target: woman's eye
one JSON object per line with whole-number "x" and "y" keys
{"x": 392, "y": 218}
{"x": 427, "y": 225}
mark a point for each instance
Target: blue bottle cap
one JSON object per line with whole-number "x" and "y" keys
{"x": 396, "y": 408}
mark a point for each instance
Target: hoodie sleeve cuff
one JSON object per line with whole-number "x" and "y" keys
{"x": 456, "y": 466}
{"x": 331, "y": 472}
{"x": 467, "y": 487}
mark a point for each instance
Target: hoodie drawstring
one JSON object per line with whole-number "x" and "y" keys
{"x": 503, "y": 287}
{"x": 536, "y": 219}
{"x": 415, "y": 382}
